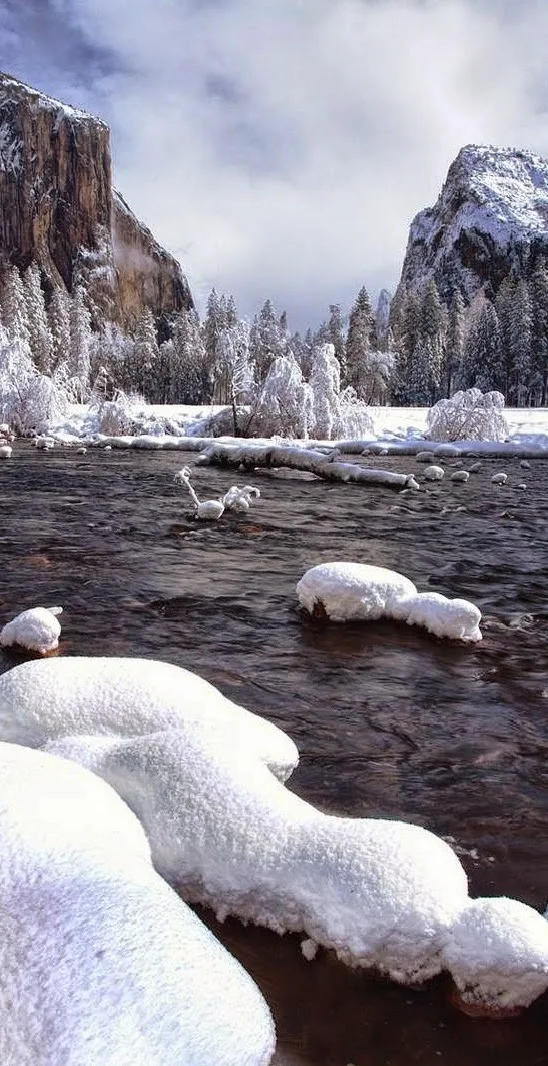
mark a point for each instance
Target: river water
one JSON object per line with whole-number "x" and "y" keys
{"x": 389, "y": 720}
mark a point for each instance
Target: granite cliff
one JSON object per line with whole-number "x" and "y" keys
{"x": 490, "y": 218}
{"x": 58, "y": 208}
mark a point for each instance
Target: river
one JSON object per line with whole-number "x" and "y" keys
{"x": 389, "y": 720}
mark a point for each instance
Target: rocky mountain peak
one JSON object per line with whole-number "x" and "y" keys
{"x": 492, "y": 212}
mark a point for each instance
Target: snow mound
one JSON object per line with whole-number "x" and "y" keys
{"x": 469, "y": 415}
{"x": 5, "y": 451}
{"x": 499, "y": 479}
{"x": 381, "y": 894}
{"x": 36, "y": 630}
{"x": 352, "y": 591}
{"x": 498, "y": 954}
{"x": 460, "y": 475}
{"x": 100, "y": 959}
{"x": 45, "y": 699}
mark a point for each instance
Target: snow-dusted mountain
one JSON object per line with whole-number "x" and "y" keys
{"x": 491, "y": 213}
{"x": 58, "y": 208}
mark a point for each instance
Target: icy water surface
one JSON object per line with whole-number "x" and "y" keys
{"x": 389, "y": 720}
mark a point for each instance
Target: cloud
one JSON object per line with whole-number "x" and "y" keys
{"x": 281, "y": 149}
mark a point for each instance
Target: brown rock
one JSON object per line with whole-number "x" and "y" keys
{"x": 57, "y": 207}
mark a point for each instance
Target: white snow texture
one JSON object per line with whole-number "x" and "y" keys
{"x": 195, "y": 770}
{"x": 36, "y": 630}
{"x": 358, "y": 591}
{"x": 102, "y": 964}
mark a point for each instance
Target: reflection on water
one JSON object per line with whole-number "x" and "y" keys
{"x": 389, "y": 720}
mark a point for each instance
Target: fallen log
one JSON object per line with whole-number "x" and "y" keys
{"x": 251, "y": 456}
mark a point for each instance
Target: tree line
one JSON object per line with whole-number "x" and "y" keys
{"x": 412, "y": 350}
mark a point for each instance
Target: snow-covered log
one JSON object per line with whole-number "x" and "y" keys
{"x": 250, "y": 456}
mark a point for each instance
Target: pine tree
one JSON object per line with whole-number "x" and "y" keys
{"x": 13, "y": 306}
{"x": 538, "y": 288}
{"x": 190, "y": 375}
{"x": 266, "y": 341}
{"x": 145, "y": 357}
{"x": 361, "y": 337}
{"x": 483, "y": 364}
{"x": 521, "y": 345}
{"x": 454, "y": 345}
{"x": 59, "y": 323}
{"x": 41, "y": 343}
{"x": 79, "y": 362}
{"x": 407, "y": 330}
{"x": 432, "y": 332}
{"x": 418, "y": 381}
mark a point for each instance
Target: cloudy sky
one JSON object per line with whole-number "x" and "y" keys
{"x": 280, "y": 148}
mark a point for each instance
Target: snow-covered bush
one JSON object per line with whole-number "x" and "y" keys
{"x": 468, "y": 415}
{"x": 355, "y": 418}
{"x": 29, "y": 400}
{"x": 113, "y": 418}
{"x": 288, "y": 406}
{"x": 284, "y": 407}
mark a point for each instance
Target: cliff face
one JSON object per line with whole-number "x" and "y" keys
{"x": 491, "y": 214}
{"x": 57, "y": 207}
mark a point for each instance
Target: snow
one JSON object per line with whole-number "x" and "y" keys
{"x": 434, "y": 473}
{"x": 36, "y": 629}
{"x": 228, "y": 833}
{"x": 498, "y": 953}
{"x": 42, "y": 101}
{"x": 502, "y": 193}
{"x": 358, "y": 591}
{"x": 98, "y": 955}
{"x": 127, "y": 697}
{"x": 397, "y": 429}
{"x": 380, "y": 893}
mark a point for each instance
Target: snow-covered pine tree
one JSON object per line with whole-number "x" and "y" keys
{"x": 59, "y": 323}
{"x": 145, "y": 357}
{"x": 418, "y": 382}
{"x": 406, "y": 321}
{"x": 191, "y": 369}
{"x": 382, "y": 319}
{"x": 483, "y": 365}
{"x": 41, "y": 342}
{"x": 213, "y": 323}
{"x": 266, "y": 341}
{"x": 454, "y": 345}
{"x": 79, "y": 362}
{"x": 538, "y": 288}
{"x": 521, "y": 337}
{"x": 361, "y": 337}
{"x": 13, "y": 306}
{"x": 432, "y": 334}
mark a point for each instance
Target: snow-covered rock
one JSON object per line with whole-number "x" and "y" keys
{"x": 499, "y": 479}
{"x": 460, "y": 475}
{"x": 36, "y": 629}
{"x": 5, "y": 451}
{"x": 102, "y": 964}
{"x": 350, "y": 591}
{"x": 45, "y": 699}
{"x": 491, "y": 209}
{"x": 380, "y": 893}
{"x": 434, "y": 473}
{"x": 497, "y": 952}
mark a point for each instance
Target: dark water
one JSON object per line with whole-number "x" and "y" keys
{"x": 389, "y": 720}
